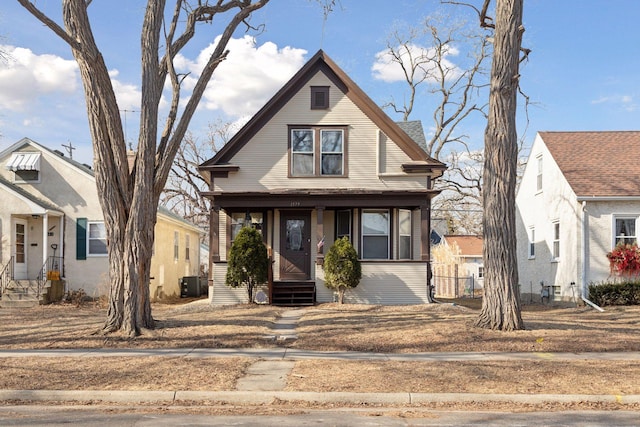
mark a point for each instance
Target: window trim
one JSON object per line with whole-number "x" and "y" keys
{"x": 315, "y": 91}
{"x": 615, "y": 228}
{"x": 555, "y": 242}
{"x": 316, "y": 131}
{"x": 400, "y": 234}
{"x": 388, "y": 234}
{"x": 539, "y": 176}
{"x": 532, "y": 243}
{"x": 89, "y": 239}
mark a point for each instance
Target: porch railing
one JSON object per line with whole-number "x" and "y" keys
{"x": 52, "y": 269}
{"x": 6, "y": 275}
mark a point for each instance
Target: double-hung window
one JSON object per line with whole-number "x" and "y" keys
{"x": 186, "y": 246}
{"x": 404, "y": 234}
{"x": 343, "y": 224}
{"x": 539, "y": 174}
{"x": 176, "y": 245}
{"x": 317, "y": 151}
{"x": 532, "y": 243}
{"x": 556, "y": 241}
{"x": 375, "y": 233}
{"x": 96, "y": 239}
{"x": 625, "y": 230}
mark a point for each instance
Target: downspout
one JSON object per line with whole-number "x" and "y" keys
{"x": 584, "y": 257}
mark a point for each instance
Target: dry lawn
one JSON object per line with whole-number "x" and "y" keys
{"x": 330, "y": 327}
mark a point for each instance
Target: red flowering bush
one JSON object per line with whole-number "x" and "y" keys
{"x": 624, "y": 260}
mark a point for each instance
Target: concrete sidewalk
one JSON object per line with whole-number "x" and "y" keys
{"x": 283, "y": 353}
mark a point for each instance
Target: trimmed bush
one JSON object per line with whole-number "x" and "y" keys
{"x": 625, "y": 293}
{"x": 342, "y": 267}
{"x": 248, "y": 261}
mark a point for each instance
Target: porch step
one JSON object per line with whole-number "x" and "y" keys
{"x": 22, "y": 294}
{"x": 294, "y": 293}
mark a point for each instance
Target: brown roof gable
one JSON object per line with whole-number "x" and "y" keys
{"x": 599, "y": 164}
{"x": 321, "y": 62}
{"x": 469, "y": 245}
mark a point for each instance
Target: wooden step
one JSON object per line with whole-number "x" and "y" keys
{"x": 293, "y": 293}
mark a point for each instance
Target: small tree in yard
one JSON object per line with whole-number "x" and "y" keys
{"x": 248, "y": 261}
{"x": 342, "y": 267}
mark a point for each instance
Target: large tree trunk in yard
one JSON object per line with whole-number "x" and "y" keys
{"x": 501, "y": 303}
{"x": 129, "y": 196}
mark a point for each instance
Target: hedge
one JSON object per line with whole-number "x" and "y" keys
{"x": 624, "y": 293}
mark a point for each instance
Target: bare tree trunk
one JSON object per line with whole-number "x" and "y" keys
{"x": 501, "y": 303}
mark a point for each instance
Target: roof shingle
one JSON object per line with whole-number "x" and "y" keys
{"x": 598, "y": 164}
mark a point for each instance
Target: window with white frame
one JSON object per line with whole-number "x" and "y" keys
{"x": 404, "y": 234}
{"x": 556, "y": 241}
{"x": 481, "y": 272}
{"x": 343, "y": 224}
{"x": 176, "y": 245}
{"x": 625, "y": 230}
{"x": 532, "y": 243}
{"x": 539, "y": 174}
{"x": 96, "y": 239}
{"x": 375, "y": 233}
{"x": 310, "y": 158}
{"x": 186, "y": 246}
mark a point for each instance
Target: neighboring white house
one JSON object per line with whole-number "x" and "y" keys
{"x": 51, "y": 221}
{"x": 318, "y": 162}
{"x": 579, "y": 196}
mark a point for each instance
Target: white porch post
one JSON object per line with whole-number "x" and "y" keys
{"x": 45, "y": 238}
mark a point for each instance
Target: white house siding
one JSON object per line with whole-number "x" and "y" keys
{"x": 600, "y": 235}
{"x": 540, "y": 209}
{"x": 269, "y": 170}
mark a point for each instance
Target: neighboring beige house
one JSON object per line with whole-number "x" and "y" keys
{"x": 579, "y": 196}
{"x": 51, "y": 226}
{"x": 458, "y": 269}
{"x": 320, "y": 161}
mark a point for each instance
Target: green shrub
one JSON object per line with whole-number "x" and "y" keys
{"x": 342, "y": 267}
{"x": 248, "y": 261}
{"x": 624, "y": 293}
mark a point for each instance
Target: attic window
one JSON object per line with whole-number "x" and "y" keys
{"x": 319, "y": 97}
{"x": 26, "y": 166}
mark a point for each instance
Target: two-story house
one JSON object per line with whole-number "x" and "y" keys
{"x": 318, "y": 162}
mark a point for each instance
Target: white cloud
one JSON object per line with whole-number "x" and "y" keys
{"x": 387, "y": 68}
{"x": 247, "y": 78}
{"x": 26, "y": 76}
{"x": 625, "y": 102}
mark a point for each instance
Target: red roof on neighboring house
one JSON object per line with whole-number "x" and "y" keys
{"x": 598, "y": 163}
{"x": 469, "y": 245}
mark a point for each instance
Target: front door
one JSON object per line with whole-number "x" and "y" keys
{"x": 295, "y": 245}
{"x": 19, "y": 249}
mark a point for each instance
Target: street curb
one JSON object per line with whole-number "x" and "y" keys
{"x": 260, "y": 397}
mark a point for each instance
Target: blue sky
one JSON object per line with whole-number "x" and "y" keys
{"x": 582, "y": 73}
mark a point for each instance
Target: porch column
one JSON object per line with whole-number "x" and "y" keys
{"x": 425, "y": 239}
{"x": 45, "y": 239}
{"x": 214, "y": 235}
{"x": 61, "y": 243}
{"x": 320, "y": 236}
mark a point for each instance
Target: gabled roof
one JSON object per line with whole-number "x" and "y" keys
{"x": 598, "y": 164}
{"x": 57, "y": 154}
{"x": 469, "y": 245}
{"x": 38, "y": 206}
{"x": 321, "y": 62}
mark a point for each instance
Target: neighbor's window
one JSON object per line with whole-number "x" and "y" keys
{"x": 96, "y": 239}
{"x": 343, "y": 224}
{"x": 375, "y": 234}
{"x": 241, "y": 219}
{"x": 556, "y": 240}
{"x": 539, "y": 176}
{"x": 481, "y": 272}
{"x": 625, "y": 230}
{"x": 404, "y": 234}
{"x": 176, "y": 245}
{"x": 532, "y": 243}
{"x": 319, "y": 97}
{"x": 309, "y": 158}
{"x": 186, "y": 244}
